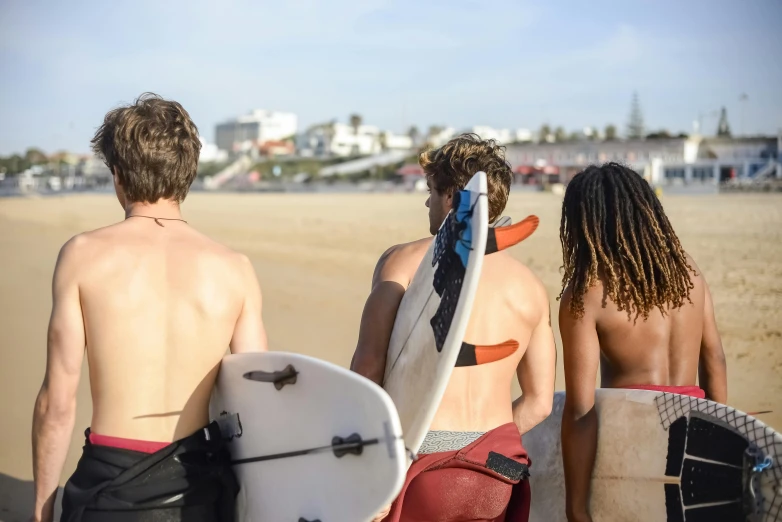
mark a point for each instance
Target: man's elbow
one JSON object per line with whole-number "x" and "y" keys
{"x": 576, "y": 411}
{"x": 537, "y": 408}
{"x": 366, "y": 367}
{"x": 55, "y": 409}
{"x": 713, "y": 361}
{"x": 543, "y": 407}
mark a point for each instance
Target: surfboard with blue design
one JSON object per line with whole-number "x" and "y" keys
{"x": 435, "y": 310}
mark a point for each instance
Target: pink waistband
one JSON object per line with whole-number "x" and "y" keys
{"x": 692, "y": 391}
{"x": 143, "y": 446}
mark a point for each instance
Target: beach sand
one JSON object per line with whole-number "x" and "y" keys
{"x": 314, "y": 256}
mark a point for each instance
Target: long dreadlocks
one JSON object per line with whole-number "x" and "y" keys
{"x": 614, "y": 228}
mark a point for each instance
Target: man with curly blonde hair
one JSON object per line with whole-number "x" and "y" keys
{"x": 155, "y": 305}
{"x": 510, "y": 335}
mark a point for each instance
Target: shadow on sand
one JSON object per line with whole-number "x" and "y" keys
{"x": 16, "y": 499}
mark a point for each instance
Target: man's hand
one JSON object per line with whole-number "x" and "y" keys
{"x": 581, "y": 517}
{"x": 383, "y": 514}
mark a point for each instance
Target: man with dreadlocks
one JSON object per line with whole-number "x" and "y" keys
{"x": 633, "y": 301}
{"x": 455, "y": 478}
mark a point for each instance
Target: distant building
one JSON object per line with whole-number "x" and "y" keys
{"x": 438, "y": 137}
{"x": 274, "y": 148}
{"x": 489, "y": 133}
{"x": 523, "y": 135}
{"x": 413, "y": 176}
{"x": 341, "y": 140}
{"x": 502, "y": 136}
{"x": 255, "y": 129}
{"x": 93, "y": 167}
{"x": 211, "y": 153}
{"x": 660, "y": 161}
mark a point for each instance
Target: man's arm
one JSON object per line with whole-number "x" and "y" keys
{"x": 712, "y": 370}
{"x": 377, "y": 320}
{"x": 55, "y": 407}
{"x": 581, "y": 356}
{"x": 536, "y": 372}
{"x": 249, "y": 333}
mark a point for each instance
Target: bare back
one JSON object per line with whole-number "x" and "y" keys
{"x": 161, "y": 306}
{"x": 511, "y": 304}
{"x": 661, "y": 350}
{"x": 673, "y": 349}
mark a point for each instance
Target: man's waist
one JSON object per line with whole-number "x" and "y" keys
{"x": 157, "y": 428}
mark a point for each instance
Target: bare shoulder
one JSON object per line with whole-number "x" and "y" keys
{"x": 524, "y": 278}
{"x": 399, "y": 262}
{"x": 73, "y": 253}
{"x": 233, "y": 261}
{"x": 696, "y": 271}
{"x": 526, "y": 288}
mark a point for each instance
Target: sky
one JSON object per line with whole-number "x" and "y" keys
{"x": 506, "y": 64}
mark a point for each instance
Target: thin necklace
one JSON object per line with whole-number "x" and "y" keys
{"x": 157, "y": 219}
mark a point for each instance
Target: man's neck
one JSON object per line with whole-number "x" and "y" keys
{"x": 163, "y": 208}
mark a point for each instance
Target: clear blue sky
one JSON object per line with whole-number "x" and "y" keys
{"x": 501, "y": 63}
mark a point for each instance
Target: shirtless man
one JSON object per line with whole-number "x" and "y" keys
{"x": 511, "y": 312}
{"x": 633, "y": 301}
{"x": 155, "y": 305}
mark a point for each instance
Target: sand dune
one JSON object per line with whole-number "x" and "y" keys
{"x": 314, "y": 255}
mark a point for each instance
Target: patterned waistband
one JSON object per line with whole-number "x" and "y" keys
{"x": 437, "y": 441}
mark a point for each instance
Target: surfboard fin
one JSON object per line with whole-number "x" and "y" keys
{"x": 279, "y": 378}
{"x": 352, "y": 444}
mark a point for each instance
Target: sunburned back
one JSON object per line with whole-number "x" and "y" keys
{"x": 160, "y": 306}
{"x": 661, "y": 350}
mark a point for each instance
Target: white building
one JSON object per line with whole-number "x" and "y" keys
{"x": 502, "y": 136}
{"x": 523, "y": 135}
{"x": 210, "y": 153}
{"x": 391, "y": 141}
{"x": 342, "y": 140}
{"x": 255, "y": 129}
{"x": 490, "y": 133}
{"x": 440, "y": 137}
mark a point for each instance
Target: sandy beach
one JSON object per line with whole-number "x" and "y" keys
{"x": 314, "y": 256}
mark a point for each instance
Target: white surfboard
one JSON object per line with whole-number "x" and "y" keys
{"x": 318, "y": 442}
{"x": 663, "y": 457}
{"x": 417, "y": 372}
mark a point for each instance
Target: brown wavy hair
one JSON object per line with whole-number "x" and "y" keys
{"x": 153, "y": 146}
{"x": 614, "y": 229}
{"x": 451, "y": 166}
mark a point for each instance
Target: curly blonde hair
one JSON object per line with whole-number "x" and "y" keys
{"x": 451, "y": 166}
